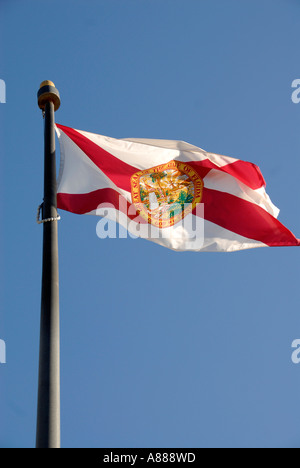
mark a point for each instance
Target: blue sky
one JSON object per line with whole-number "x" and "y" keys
{"x": 158, "y": 349}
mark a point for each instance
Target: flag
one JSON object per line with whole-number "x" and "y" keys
{"x": 169, "y": 192}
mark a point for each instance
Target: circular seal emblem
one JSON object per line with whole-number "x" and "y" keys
{"x": 165, "y": 194}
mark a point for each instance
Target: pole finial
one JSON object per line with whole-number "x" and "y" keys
{"x": 48, "y": 93}
{"x": 47, "y": 83}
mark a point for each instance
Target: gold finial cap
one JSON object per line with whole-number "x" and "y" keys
{"x": 47, "y": 83}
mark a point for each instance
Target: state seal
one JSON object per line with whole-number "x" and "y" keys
{"x": 165, "y": 194}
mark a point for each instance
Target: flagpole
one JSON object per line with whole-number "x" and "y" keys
{"x": 48, "y": 410}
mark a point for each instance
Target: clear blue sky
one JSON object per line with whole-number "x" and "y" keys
{"x": 158, "y": 349}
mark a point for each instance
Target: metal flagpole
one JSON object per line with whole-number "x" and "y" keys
{"x": 48, "y": 410}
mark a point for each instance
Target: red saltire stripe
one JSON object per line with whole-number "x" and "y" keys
{"x": 246, "y": 219}
{"x": 117, "y": 171}
{"x": 247, "y": 173}
{"x": 86, "y": 202}
{"x": 236, "y": 215}
{"x": 120, "y": 172}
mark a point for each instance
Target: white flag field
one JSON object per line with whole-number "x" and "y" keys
{"x": 169, "y": 192}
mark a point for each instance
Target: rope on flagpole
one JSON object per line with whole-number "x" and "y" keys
{"x": 47, "y": 220}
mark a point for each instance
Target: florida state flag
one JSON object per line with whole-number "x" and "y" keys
{"x": 169, "y": 192}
